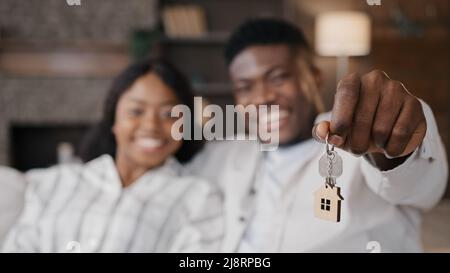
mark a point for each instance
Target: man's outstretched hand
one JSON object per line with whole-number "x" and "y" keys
{"x": 373, "y": 114}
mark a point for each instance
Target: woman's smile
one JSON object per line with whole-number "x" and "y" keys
{"x": 149, "y": 144}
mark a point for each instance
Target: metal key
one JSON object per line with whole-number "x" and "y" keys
{"x": 330, "y": 165}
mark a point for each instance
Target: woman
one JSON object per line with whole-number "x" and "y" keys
{"x": 130, "y": 196}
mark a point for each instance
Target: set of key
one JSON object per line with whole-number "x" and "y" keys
{"x": 328, "y": 197}
{"x": 330, "y": 166}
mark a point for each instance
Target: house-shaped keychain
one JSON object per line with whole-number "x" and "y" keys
{"x": 328, "y": 203}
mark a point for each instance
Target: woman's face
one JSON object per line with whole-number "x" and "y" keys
{"x": 143, "y": 123}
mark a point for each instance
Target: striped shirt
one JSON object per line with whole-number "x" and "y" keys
{"x": 84, "y": 208}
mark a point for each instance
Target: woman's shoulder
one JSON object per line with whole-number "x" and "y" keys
{"x": 52, "y": 172}
{"x": 12, "y": 185}
{"x": 10, "y": 177}
{"x": 64, "y": 173}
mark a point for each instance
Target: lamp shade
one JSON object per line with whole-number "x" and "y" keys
{"x": 343, "y": 34}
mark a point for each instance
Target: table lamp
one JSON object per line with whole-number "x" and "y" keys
{"x": 343, "y": 34}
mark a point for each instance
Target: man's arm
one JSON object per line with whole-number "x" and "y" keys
{"x": 374, "y": 115}
{"x": 420, "y": 180}
{"x": 377, "y": 118}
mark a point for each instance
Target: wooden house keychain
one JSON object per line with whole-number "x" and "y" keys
{"x": 328, "y": 197}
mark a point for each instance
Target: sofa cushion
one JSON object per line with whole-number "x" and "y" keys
{"x": 12, "y": 191}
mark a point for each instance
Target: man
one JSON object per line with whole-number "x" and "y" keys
{"x": 393, "y": 159}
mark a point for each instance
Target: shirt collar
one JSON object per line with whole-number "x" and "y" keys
{"x": 105, "y": 170}
{"x": 288, "y": 160}
{"x": 300, "y": 153}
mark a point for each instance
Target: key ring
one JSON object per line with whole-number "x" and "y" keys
{"x": 327, "y": 144}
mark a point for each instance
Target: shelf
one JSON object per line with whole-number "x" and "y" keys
{"x": 63, "y": 64}
{"x": 91, "y": 46}
{"x": 201, "y": 58}
{"x": 218, "y": 38}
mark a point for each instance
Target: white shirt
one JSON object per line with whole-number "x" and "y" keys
{"x": 84, "y": 208}
{"x": 380, "y": 206}
{"x": 276, "y": 170}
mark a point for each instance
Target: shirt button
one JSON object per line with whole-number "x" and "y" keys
{"x": 252, "y": 191}
{"x": 242, "y": 219}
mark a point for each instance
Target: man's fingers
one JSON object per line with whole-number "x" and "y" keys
{"x": 360, "y": 137}
{"x": 373, "y": 114}
{"x": 345, "y": 102}
{"x": 408, "y": 131}
{"x": 389, "y": 107}
{"x": 320, "y": 131}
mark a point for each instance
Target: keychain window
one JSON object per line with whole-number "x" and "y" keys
{"x": 325, "y": 204}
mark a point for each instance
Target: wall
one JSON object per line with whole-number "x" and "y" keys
{"x": 57, "y": 61}
{"x": 54, "y": 21}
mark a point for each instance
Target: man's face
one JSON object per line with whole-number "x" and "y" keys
{"x": 268, "y": 75}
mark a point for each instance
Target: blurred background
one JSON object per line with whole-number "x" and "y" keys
{"x": 57, "y": 60}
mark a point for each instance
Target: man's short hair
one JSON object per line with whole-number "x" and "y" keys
{"x": 263, "y": 31}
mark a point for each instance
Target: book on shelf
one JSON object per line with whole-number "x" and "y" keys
{"x": 184, "y": 21}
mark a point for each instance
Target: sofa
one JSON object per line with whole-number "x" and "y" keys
{"x": 12, "y": 189}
